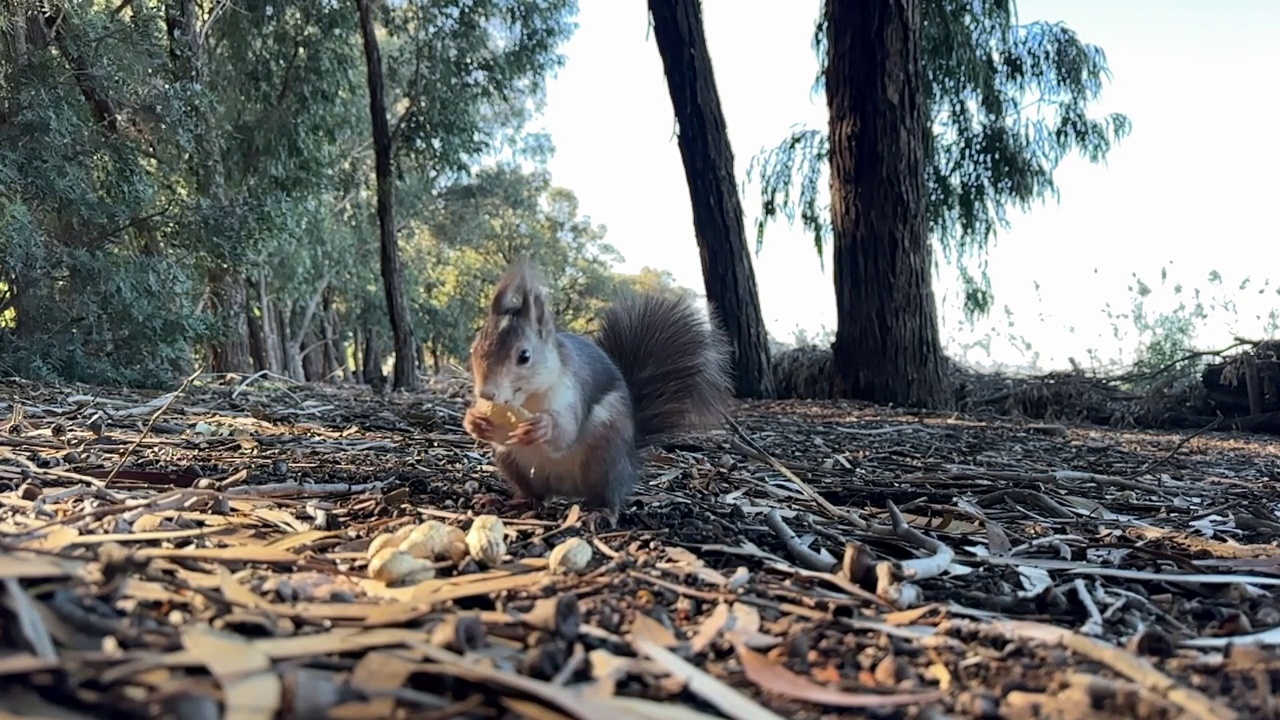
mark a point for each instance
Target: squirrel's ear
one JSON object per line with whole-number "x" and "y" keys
{"x": 538, "y": 310}
{"x": 511, "y": 293}
{"x": 521, "y": 292}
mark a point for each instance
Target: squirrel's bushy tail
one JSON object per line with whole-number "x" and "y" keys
{"x": 675, "y": 361}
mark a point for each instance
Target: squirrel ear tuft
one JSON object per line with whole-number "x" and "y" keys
{"x": 540, "y": 313}
{"x": 521, "y": 292}
{"x": 511, "y": 293}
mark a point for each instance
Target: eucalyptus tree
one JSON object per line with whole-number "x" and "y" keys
{"x": 96, "y": 224}
{"x": 284, "y": 79}
{"x": 941, "y": 116}
{"x": 713, "y": 192}
{"x": 470, "y": 73}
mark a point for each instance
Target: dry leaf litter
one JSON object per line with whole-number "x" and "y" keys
{"x": 248, "y": 549}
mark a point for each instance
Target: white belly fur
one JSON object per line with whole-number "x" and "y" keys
{"x": 563, "y": 474}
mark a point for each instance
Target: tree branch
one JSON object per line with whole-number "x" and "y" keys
{"x": 309, "y": 314}
{"x": 104, "y": 110}
{"x": 203, "y": 34}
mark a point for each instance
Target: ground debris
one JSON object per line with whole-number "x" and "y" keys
{"x": 249, "y": 550}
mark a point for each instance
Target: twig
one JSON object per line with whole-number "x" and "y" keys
{"x": 832, "y": 510}
{"x": 1094, "y": 626}
{"x": 921, "y": 568}
{"x": 294, "y": 488}
{"x": 151, "y": 423}
{"x": 1169, "y": 455}
{"x": 255, "y": 377}
{"x": 806, "y": 557}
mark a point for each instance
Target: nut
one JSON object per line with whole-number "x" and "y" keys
{"x": 486, "y": 540}
{"x": 505, "y": 418}
{"x": 571, "y": 556}
{"x": 391, "y": 565}
{"x": 434, "y": 540}
{"x": 386, "y": 540}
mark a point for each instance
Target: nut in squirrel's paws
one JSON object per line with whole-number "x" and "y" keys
{"x": 534, "y": 431}
{"x": 495, "y": 422}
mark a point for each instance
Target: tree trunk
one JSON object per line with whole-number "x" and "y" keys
{"x": 271, "y": 333}
{"x": 257, "y": 339}
{"x": 887, "y": 348}
{"x": 373, "y": 360}
{"x": 713, "y": 191}
{"x": 313, "y": 365}
{"x": 335, "y": 362}
{"x": 190, "y": 67}
{"x": 392, "y": 274}
{"x": 339, "y": 345}
{"x": 357, "y": 353}
{"x": 292, "y": 351}
{"x": 231, "y": 354}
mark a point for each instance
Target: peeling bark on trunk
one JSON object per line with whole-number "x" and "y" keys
{"x": 717, "y": 209}
{"x": 887, "y": 349}
{"x": 392, "y": 275}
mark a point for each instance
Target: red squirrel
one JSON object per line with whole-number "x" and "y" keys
{"x": 655, "y": 367}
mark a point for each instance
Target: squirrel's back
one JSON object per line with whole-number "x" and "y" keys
{"x": 676, "y": 363}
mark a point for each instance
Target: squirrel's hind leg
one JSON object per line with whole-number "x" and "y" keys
{"x": 610, "y": 471}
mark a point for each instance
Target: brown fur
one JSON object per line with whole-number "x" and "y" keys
{"x": 676, "y": 363}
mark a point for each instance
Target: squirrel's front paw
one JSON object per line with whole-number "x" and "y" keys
{"x": 478, "y": 426}
{"x": 533, "y": 432}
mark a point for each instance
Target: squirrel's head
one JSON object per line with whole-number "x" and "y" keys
{"x": 514, "y": 354}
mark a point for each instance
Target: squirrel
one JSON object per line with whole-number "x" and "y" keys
{"x": 654, "y": 368}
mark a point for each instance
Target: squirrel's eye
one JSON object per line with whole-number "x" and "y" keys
{"x": 523, "y": 357}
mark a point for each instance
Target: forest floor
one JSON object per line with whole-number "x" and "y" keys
{"x": 205, "y": 554}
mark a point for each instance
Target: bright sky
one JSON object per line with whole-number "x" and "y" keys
{"x": 1189, "y": 187}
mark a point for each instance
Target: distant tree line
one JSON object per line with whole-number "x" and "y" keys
{"x": 311, "y": 188}
{"x": 192, "y": 181}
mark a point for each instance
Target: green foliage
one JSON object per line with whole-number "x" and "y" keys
{"x": 1008, "y": 103}
{"x": 475, "y": 227}
{"x": 91, "y": 227}
{"x": 138, "y": 164}
{"x": 653, "y": 280}
{"x": 471, "y": 72}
